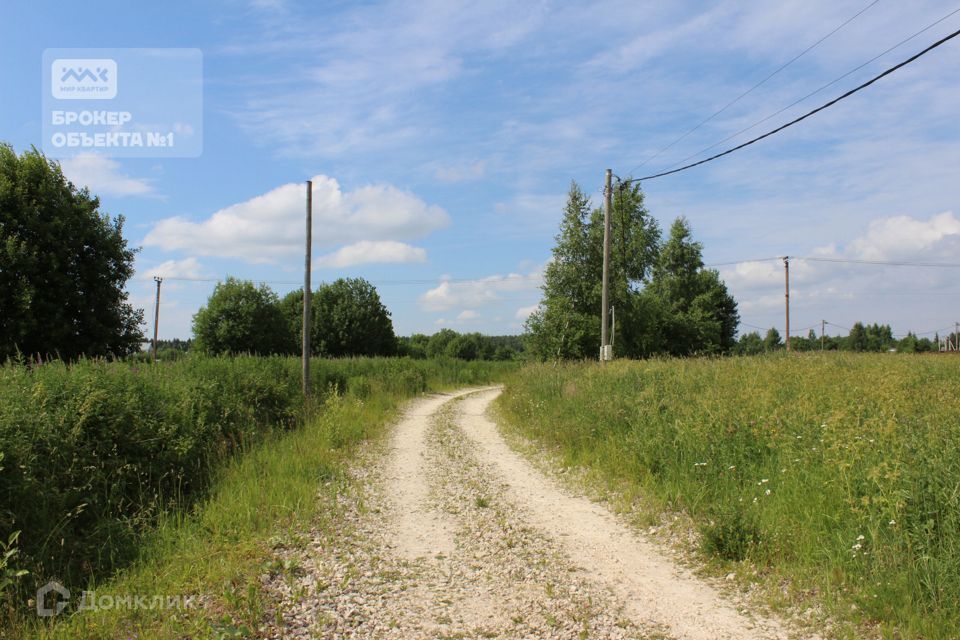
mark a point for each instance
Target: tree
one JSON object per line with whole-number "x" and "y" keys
{"x": 351, "y": 320}
{"x": 240, "y": 317}
{"x": 63, "y": 266}
{"x": 467, "y": 346}
{"x": 750, "y": 344}
{"x": 567, "y": 323}
{"x": 437, "y": 346}
{"x": 347, "y": 319}
{"x": 772, "y": 341}
{"x": 857, "y": 340}
{"x": 696, "y": 312}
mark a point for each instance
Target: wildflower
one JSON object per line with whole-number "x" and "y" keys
{"x": 731, "y": 467}
{"x": 764, "y": 481}
{"x": 767, "y": 492}
{"x": 893, "y": 523}
{"x": 859, "y": 538}
{"x": 856, "y": 546}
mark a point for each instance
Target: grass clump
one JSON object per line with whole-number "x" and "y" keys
{"x": 833, "y": 473}
{"x": 168, "y": 479}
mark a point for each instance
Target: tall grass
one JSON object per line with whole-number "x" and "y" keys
{"x": 836, "y": 474}
{"x": 96, "y": 455}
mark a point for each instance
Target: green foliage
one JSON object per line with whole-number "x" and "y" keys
{"x": 240, "y": 317}
{"x": 63, "y": 267}
{"x": 567, "y": 323}
{"x": 95, "y": 452}
{"x": 351, "y": 320}
{"x": 437, "y": 346}
{"x": 695, "y": 312}
{"x": 835, "y": 474}
{"x": 290, "y": 482}
{"x": 750, "y": 344}
{"x": 665, "y": 302}
{"x": 347, "y": 319}
{"x": 772, "y": 341}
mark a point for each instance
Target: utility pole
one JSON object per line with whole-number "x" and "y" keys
{"x": 823, "y": 327}
{"x": 786, "y": 272}
{"x": 307, "y": 293}
{"x": 156, "y": 318}
{"x": 613, "y": 326}
{"x": 604, "y": 302}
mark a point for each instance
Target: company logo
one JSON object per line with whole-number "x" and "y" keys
{"x": 60, "y": 597}
{"x": 84, "y": 79}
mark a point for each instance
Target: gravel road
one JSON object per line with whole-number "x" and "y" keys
{"x": 446, "y": 532}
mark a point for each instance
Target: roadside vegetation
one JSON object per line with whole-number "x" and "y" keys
{"x": 175, "y": 475}
{"x": 833, "y": 477}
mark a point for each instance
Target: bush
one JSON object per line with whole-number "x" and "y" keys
{"x": 93, "y": 453}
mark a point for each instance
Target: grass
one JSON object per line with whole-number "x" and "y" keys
{"x": 214, "y": 546}
{"x": 836, "y": 478}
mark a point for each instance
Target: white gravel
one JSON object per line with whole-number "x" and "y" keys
{"x": 445, "y": 532}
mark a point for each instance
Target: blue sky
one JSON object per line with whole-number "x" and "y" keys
{"x": 443, "y": 136}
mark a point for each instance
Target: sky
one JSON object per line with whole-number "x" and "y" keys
{"x": 442, "y": 138}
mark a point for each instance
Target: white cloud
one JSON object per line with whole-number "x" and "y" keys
{"x": 461, "y": 172}
{"x": 269, "y": 227}
{"x": 369, "y": 252}
{"x": 186, "y": 268}
{"x": 524, "y": 312}
{"x": 103, "y": 176}
{"x": 466, "y": 315}
{"x": 911, "y": 298}
{"x": 476, "y": 293}
{"x": 906, "y": 238}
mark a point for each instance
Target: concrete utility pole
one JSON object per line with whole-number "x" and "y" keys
{"x": 823, "y": 327}
{"x": 307, "y": 293}
{"x": 605, "y": 295}
{"x": 786, "y": 272}
{"x": 156, "y": 318}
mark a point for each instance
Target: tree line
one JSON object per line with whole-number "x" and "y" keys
{"x": 665, "y": 302}
{"x": 347, "y": 319}
{"x": 862, "y": 338}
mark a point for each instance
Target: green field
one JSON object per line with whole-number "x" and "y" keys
{"x": 170, "y": 479}
{"x": 835, "y": 477}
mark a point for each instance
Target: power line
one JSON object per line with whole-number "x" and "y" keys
{"x": 756, "y": 86}
{"x": 804, "y": 116}
{"x": 818, "y": 90}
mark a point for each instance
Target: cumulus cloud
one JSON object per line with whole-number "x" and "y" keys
{"x": 270, "y": 226}
{"x": 848, "y": 291}
{"x": 369, "y": 252}
{"x": 103, "y": 176}
{"x": 474, "y": 293}
{"x": 524, "y": 312}
{"x": 467, "y": 315}
{"x": 906, "y": 238}
{"x": 186, "y": 268}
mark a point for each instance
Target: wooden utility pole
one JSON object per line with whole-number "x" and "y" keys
{"x": 307, "y": 293}
{"x": 605, "y": 295}
{"x": 156, "y": 317}
{"x": 823, "y": 327}
{"x": 786, "y": 274}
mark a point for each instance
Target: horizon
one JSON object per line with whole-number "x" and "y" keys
{"x": 442, "y": 140}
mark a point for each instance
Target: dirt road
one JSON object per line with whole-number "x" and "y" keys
{"x": 452, "y": 534}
